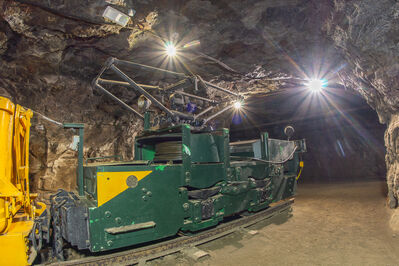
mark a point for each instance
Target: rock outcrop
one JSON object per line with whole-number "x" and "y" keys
{"x": 366, "y": 32}
{"x": 48, "y": 59}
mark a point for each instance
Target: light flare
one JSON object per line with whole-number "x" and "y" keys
{"x": 237, "y": 105}
{"x": 170, "y": 49}
{"x": 316, "y": 85}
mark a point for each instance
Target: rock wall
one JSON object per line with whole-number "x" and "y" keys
{"x": 366, "y": 32}
{"x": 48, "y": 59}
{"x": 392, "y": 159}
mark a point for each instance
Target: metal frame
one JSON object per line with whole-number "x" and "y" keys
{"x": 187, "y": 80}
{"x": 80, "y": 127}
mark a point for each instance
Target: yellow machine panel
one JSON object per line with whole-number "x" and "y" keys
{"x": 111, "y": 184}
{"x": 17, "y": 212}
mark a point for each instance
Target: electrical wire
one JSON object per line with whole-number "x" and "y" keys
{"x": 300, "y": 170}
{"x": 48, "y": 119}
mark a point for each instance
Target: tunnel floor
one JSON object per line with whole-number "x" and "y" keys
{"x": 332, "y": 224}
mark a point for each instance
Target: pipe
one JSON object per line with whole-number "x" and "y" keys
{"x": 122, "y": 83}
{"x": 204, "y": 112}
{"x": 221, "y": 89}
{"x": 182, "y": 84}
{"x": 218, "y": 113}
{"x": 145, "y": 67}
{"x": 117, "y": 99}
{"x": 194, "y": 96}
{"x": 140, "y": 89}
{"x": 183, "y": 115}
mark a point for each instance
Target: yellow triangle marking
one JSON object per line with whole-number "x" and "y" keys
{"x": 111, "y": 184}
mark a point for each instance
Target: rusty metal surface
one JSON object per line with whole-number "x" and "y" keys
{"x": 175, "y": 245}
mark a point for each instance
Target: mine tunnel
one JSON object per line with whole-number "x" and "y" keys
{"x": 253, "y": 132}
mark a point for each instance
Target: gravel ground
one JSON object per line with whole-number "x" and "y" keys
{"x": 332, "y": 224}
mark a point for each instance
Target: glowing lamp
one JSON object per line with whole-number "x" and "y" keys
{"x": 170, "y": 49}
{"x": 316, "y": 85}
{"x": 237, "y": 105}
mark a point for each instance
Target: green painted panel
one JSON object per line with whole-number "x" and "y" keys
{"x": 206, "y": 175}
{"x": 90, "y": 181}
{"x": 204, "y": 148}
{"x": 156, "y": 198}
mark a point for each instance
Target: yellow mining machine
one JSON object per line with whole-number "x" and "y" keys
{"x": 20, "y": 228}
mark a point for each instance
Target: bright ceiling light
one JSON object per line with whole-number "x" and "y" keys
{"x": 237, "y": 105}
{"x": 316, "y": 85}
{"x": 170, "y": 49}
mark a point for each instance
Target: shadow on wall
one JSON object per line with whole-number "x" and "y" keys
{"x": 343, "y": 153}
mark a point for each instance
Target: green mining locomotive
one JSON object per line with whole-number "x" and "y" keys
{"x": 185, "y": 177}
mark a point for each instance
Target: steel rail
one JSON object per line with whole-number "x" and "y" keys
{"x": 177, "y": 244}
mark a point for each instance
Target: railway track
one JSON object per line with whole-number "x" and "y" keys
{"x": 177, "y": 244}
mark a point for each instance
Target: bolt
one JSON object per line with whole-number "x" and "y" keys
{"x": 109, "y": 243}
{"x": 149, "y": 194}
{"x": 107, "y": 214}
{"x": 186, "y": 206}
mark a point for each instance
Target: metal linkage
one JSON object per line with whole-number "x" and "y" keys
{"x": 182, "y": 84}
{"x": 195, "y": 96}
{"x": 98, "y": 86}
{"x": 221, "y": 89}
{"x": 116, "y": 82}
{"x": 140, "y": 89}
{"x": 187, "y": 80}
{"x": 204, "y": 112}
{"x": 118, "y": 62}
{"x": 217, "y": 114}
